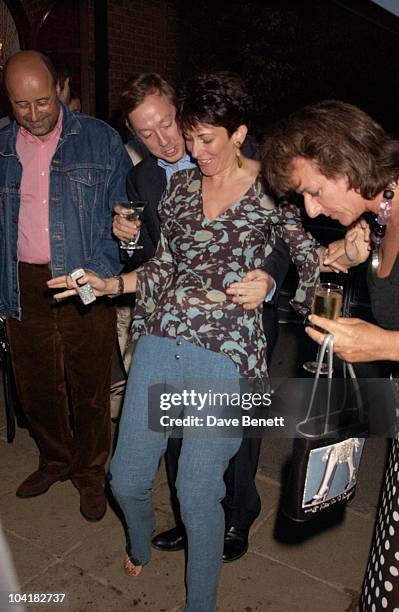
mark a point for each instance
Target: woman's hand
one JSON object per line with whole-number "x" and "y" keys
{"x": 100, "y": 286}
{"x": 252, "y": 290}
{"x": 122, "y": 228}
{"x": 351, "y": 251}
{"x": 356, "y": 340}
{"x": 358, "y": 243}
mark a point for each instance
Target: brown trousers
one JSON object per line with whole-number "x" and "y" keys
{"x": 61, "y": 355}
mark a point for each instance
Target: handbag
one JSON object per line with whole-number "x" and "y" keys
{"x": 328, "y": 444}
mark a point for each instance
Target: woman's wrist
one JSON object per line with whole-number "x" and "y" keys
{"x": 391, "y": 344}
{"x": 120, "y": 284}
{"x": 115, "y": 286}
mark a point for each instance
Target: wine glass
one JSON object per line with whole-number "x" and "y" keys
{"x": 327, "y": 302}
{"x": 133, "y": 211}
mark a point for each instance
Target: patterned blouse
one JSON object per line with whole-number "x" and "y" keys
{"x": 181, "y": 290}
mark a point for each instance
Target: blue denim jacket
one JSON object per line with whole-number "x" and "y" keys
{"x": 87, "y": 177}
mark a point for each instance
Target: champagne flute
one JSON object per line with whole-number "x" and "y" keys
{"x": 132, "y": 211}
{"x": 327, "y": 302}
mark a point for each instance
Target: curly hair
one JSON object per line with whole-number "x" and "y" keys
{"x": 138, "y": 86}
{"x": 216, "y": 98}
{"x": 340, "y": 139}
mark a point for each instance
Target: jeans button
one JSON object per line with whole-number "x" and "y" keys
{"x": 178, "y": 343}
{"x": 177, "y": 356}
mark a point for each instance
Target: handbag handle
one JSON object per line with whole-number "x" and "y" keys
{"x": 328, "y": 345}
{"x": 348, "y": 367}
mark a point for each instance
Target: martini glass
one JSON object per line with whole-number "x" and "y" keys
{"x": 133, "y": 211}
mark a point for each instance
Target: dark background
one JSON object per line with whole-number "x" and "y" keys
{"x": 290, "y": 52}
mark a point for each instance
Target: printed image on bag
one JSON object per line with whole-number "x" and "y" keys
{"x": 327, "y": 449}
{"x": 332, "y": 473}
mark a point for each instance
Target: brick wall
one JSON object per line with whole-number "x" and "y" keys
{"x": 91, "y": 84}
{"x": 142, "y": 36}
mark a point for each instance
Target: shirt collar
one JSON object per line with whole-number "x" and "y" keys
{"x": 183, "y": 163}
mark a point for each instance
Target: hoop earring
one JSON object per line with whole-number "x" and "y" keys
{"x": 237, "y": 145}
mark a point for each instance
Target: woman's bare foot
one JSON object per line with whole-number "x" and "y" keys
{"x": 130, "y": 568}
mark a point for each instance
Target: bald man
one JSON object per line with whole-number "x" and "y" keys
{"x": 60, "y": 177}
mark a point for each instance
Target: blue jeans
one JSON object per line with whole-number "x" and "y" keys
{"x": 203, "y": 461}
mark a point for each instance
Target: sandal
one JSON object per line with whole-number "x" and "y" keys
{"x": 130, "y": 568}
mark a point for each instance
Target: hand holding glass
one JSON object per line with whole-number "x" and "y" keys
{"x": 132, "y": 211}
{"x": 327, "y": 302}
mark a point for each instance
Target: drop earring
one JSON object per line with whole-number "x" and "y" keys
{"x": 237, "y": 145}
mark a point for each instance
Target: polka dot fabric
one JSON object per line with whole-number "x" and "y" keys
{"x": 381, "y": 583}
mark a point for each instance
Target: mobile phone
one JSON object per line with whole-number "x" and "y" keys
{"x": 85, "y": 291}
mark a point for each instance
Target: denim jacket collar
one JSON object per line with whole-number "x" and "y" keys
{"x": 70, "y": 125}
{"x": 10, "y": 132}
{"x": 70, "y": 122}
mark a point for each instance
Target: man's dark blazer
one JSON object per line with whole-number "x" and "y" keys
{"x": 147, "y": 182}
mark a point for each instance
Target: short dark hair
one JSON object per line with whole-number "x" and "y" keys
{"x": 139, "y": 86}
{"x": 341, "y": 139}
{"x": 216, "y": 98}
{"x": 61, "y": 67}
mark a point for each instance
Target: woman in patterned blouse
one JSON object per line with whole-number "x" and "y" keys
{"x": 217, "y": 223}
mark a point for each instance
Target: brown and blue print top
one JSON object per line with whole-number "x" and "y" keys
{"x": 181, "y": 290}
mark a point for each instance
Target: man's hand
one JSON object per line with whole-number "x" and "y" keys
{"x": 356, "y": 340}
{"x": 122, "y": 228}
{"x": 252, "y": 290}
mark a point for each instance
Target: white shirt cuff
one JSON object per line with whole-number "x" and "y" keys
{"x": 272, "y": 291}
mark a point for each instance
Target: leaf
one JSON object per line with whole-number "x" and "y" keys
{"x": 229, "y": 345}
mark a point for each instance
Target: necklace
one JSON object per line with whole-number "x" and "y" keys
{"x": 380, "y": 223}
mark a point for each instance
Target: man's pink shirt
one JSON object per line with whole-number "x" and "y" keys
{"x": 33, "y": 223}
